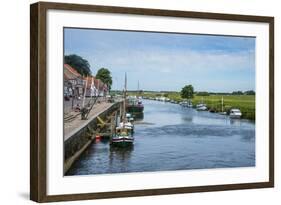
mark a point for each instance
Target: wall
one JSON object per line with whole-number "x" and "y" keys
{"x": 14, "y": 101}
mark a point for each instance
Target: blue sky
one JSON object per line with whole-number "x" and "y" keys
{"x": 165, "y": 61}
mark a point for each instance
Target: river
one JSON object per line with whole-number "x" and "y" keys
{"x": 170, "y": 137}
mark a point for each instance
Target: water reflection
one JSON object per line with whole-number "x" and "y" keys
{"x": 120, "y": 155}
{"x": 138, "y": 116}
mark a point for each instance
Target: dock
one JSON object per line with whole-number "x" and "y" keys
{"x": 79, "y": 134}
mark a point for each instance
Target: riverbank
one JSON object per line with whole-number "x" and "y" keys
{"x": 246, "y": 103}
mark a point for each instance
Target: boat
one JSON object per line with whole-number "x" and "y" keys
{"x": 186, "y": 103}
{"x": 130, "y": 122}
{"x": 235, "y": 113}
{"x": 201, "y": 107}
{"x": 135, "y": 105}
{"x": 123, "y": 135}
{"x": 129, "y": 117}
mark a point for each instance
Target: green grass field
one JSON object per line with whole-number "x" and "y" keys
{"x": 246, "y": 103}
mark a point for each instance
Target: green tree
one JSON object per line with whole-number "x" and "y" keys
{"x": 250, "y": 92}
{"x": 237, "y": 92}
{"x": 187, "y": 92}
{"x": 202, "y": 93}
{"x": 78, "y": 63}
{"x": 105, "y": 76}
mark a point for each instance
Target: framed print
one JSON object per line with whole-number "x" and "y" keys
{"x": 135, "y": 102}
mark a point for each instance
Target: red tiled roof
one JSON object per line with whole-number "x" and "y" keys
{"x": 70, "y": 73}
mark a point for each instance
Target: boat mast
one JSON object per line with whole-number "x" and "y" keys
{"x": 138, "y": 89}
{"x": 124, "y": 102}
{"x": 222, "y": 103}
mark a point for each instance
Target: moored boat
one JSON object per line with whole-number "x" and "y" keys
{"x": 123, "y": 135}
{"x": 235, "y": 113}
{"x": 134, "y": 105}
{"x": 186, "y": 103}
{"x": 201, "y": 106}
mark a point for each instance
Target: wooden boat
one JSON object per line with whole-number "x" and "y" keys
{"x": 123, "y": 135}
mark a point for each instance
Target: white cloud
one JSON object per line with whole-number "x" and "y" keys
{"x": 170, "y": 69}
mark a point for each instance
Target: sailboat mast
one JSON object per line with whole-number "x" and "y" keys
{"x": 124, "y": 102}
{"x": 138, "y": 92}
{"x": 222, "y": 103}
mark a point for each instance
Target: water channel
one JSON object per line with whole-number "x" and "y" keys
{"x": 170, "y": 137}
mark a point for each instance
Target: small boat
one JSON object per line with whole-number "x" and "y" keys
{"x": 235, "y": 114}
{"x": 135, "y": 105}
{"x": 186, "y": 104}
{"x": 129, "y": 117}
{"x": 201, "y": 107}
{"x": 123, "y": 135}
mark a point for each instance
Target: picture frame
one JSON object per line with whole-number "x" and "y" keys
{"x": 39, "y": 171}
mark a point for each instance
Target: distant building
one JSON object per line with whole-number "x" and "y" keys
{"x": 74, "y": 83}
{"x": 95, "y": 87}
{"x": 91, "y": 88}
{"x": 101, "y": 88}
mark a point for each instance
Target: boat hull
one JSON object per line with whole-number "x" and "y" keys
{"x": 202, "y": 109}
{"x": 135, "y": 109}
{"x": 235, "y": 116}
{"x": 122, "y": 142}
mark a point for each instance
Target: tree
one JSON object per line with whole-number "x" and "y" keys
{"x": 105, "y": 76}
{"x": 78, "y": 63}
{"x": 249, "y": 92}
{"x": 237, "y": 93}
{"x": 203, "y": 93}
{"x": 187, "y": 92}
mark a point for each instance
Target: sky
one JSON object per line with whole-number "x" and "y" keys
{"x": 167, "y": 61}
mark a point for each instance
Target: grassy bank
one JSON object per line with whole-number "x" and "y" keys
{"x": 246, "y": 103}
